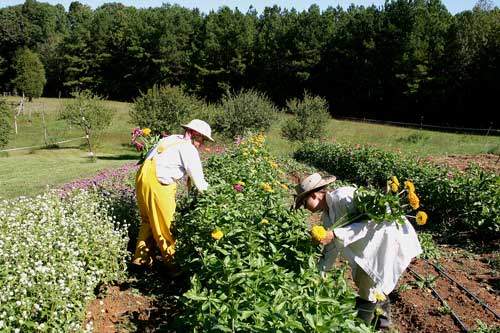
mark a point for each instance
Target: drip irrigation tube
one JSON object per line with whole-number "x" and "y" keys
{"x": 453, "y": 314}
{"x": 440, "y": 270}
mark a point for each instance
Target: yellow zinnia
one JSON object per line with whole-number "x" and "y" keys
{"x": 273, "y": 164}
{"x": 395, "y": 180}
{"x": 240, "y": 183}
{"x": 413, "y": 200}
{"x": 318, "y": 233}
{"x": 217, "y": 234}
{"x": 394, "y": 187}
{"x": 409, "y": 187}
{"x": 379, "y": 296}
{"x": 283, "y": 186}
{"x": 146, "y": 131}
{"x": 421, "y": 218}
{"x": 264, "y": 221}
{"x": 267, "y": 187}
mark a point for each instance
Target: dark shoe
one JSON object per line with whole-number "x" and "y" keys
{"x": 365, "y": 310}
{"x": 384, "y": 320}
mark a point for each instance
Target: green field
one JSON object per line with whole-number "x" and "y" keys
{"x": 28, "y": 172}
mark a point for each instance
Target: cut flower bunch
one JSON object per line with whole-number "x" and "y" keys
{"x": 395, "y": 204}
{"x": 143, "y": 141}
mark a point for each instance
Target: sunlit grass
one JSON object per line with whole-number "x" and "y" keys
{"x": 28, "y": 172}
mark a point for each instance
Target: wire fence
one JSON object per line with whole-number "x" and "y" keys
{"x": 485, "y": 131}
{"x": 44, "y": 146}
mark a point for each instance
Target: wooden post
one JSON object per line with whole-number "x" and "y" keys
{"x": 19, "y": 111}
{"x": 45, "y": 136}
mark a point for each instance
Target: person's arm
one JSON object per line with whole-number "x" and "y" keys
{"x": 192, "y": 165}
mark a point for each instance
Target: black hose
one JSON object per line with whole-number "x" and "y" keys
{"x": 440, "y": 270}
{"x": 453, "y": 314}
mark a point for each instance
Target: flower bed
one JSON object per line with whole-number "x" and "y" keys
{"x": 467, "y": 201}
{"x": 252, "y": 263}
{"x": 53, "y": 254}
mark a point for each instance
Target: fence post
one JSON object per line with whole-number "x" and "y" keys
{"x": 44, "y": 127}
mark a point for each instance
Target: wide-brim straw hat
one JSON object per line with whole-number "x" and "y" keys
{"x": 201, "y": 127}
{"x": 310, "y": 184}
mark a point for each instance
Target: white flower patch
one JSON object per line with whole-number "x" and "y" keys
{"x": 53, "y": 253}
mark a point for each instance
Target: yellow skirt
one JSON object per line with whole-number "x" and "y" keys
{"x": 157, "y": 207}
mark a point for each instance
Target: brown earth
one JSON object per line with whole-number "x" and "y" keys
{"x": 148, "y": 299}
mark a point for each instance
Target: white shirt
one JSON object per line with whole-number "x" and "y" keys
{"x": 382, "y": 250}
{"x": 174, "y": 157}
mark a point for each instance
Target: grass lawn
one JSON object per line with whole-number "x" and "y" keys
{"x": 29, "y": 172}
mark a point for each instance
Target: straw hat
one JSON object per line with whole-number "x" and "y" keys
{"x": 201, "y": 127}
{"x": 309, "y": 184}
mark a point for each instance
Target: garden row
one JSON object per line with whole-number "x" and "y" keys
{"x": 462, "y": 201}
{"x": 252, "y": 263}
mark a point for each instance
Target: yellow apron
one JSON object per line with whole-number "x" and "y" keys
{"x": 157, "y": 208}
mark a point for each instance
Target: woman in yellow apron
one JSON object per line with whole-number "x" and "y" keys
{"x": 169, "y": 160}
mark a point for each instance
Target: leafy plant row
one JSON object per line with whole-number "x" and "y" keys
{"x": 53, "y": 253}
{"x": 252, "y": 263}
{"x": 465, "y": 200}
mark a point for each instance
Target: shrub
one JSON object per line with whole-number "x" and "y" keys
{"x": 5, "y": 121}
{"x": 311, "y": 116}
{"x": 163, "y": 109}
{"x": 246, "y": 111}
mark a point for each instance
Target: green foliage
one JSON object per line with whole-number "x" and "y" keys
{"x": 415, "y": 138}
{"x": 462, "y": 200}
{"x": 89, "y": 112}
{"x": 54, "y": 253}
{"x": 243, "y": 112}
{"x": 30, "y": 73}
{"x": 430, "y": 250}
{"x": 311, "y": 117}
{"x": 261, "y": 276}
{"x": 427, "y": 282}
{"x": 5, "y": 123}
{"x": 164, "y": 109}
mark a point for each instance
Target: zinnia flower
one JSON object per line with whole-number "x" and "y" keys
{"x": 267, "y": 187}
{"x": 409, "y": 187}
{"x": 283, "y": 186}
{"x": 273, "y": 164}
{"x": 394, "y": 187}
{"x": 395, "y": 180}
{"x": 264, "y": 221}
{"x": 240, "y": 183}
{"x": 379, "y": 296}
{"x": 421, "y": 218}
{"x": 217, "y": 234}
{"x": 414, "y": 200}
{"x": 238, "y": 188}
{"x": 139, "y": 146}
{"x": 318, "y": 233}
{"x": 146, "y": 131}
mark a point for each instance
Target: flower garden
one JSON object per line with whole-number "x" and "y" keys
{"x": 248, "y": 257}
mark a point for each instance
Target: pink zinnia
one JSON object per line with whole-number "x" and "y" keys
{"x": 238, "y": 188}
{"x": 139, "y": 146}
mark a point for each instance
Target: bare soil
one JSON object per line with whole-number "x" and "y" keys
{"x": 147, "y": 301}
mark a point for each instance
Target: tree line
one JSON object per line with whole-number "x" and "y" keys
{"x": 408, "y": 60}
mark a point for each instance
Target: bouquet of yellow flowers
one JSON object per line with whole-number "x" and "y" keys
{"x": 392, "y": 205}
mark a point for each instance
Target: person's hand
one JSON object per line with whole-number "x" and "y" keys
{"x": 328, "y": 239}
